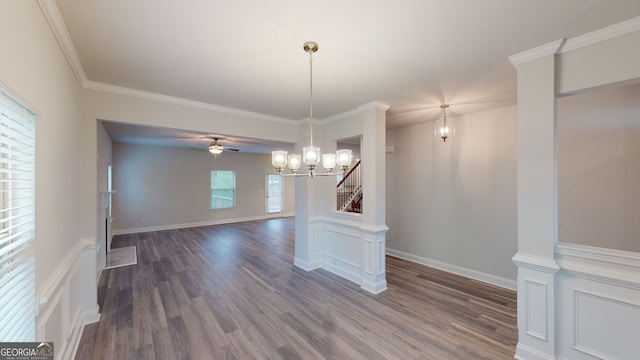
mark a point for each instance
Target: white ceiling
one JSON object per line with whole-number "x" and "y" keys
{"x": 247, "y": 54}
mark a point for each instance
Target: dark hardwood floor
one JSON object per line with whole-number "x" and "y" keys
{"x": 231, "y": 292}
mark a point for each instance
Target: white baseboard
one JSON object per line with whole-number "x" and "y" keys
{"x": 526, "y": 353}
{"x": 305, "y": 265}
{"x": 458, "y": 270}
{"x": 186, "y": 225}
{"x": 91, "y": 316}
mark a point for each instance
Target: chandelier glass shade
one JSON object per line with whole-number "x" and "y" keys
{"x": 444, "y": 127}
{"x": 311, "y": 155}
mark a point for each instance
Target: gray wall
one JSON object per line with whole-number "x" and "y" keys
{"x": 161, "y": 187}
{"x": 599, "y": 168}
{"x": 455, "y": 202}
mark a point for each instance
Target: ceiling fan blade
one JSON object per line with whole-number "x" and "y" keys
{"x": 230, "y": 149}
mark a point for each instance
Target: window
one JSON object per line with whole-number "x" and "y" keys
{"x": 17, "y": 221}
{"x": 223, "y": 189}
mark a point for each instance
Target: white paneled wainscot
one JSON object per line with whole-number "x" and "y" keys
{"x": 347, "y": 247}
{"x": 598, "y": 303}
{"x": 68, "y": 300}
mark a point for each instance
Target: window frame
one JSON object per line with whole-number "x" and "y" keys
{"x": 212, "y": 188}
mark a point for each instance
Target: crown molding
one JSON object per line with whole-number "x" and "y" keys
{"x": 607, "y": 33}
{"x": 377, "y": 105}
{"x": 146, "y": 95}
{"x": 551, "y": 48}
{"x": 59, "y": 29}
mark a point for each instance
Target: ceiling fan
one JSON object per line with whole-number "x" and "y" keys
{"x": 217, "y": 148}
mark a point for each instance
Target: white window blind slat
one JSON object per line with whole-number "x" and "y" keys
{"x": 17, "y": 220}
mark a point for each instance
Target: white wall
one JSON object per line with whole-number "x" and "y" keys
{"x": 453, "y": 205}
{"x": 162, "y": 187}
{"x": 33, "y": 67}
{"x": 599, "y": 168}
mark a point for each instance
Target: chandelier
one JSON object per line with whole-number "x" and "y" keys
{"x": 311, "y": 154}
{"x": 443, "y": 127}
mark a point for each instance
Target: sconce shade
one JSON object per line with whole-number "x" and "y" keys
{"x": 279, "y": 159}
{"x": 311, "y": 156}
{"x": 344, "y": 158}
{"x": 328, "y": 161}
{"x": 294, "y": 162}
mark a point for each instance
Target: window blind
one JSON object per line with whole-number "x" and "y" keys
{"x": 17, "y": 221}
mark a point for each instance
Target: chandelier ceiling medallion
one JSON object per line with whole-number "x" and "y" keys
{"x": 311, "y": 154}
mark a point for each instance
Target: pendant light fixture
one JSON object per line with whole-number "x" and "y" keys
{"x": 443, "y": 127}
{"x": 311, "y": 154}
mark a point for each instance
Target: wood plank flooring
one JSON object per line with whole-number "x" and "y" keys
{"x": 231, "y": 292}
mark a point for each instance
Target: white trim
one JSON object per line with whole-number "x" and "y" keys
{"x": 91, "y": 316}
{"x": 537, "y": 52}
{"x": 607, "y": 33}
{"x": 605, "y": 255}
{"x": 374, "y": 287}
{"x": 524, "y": 352}
{"x": 359, "y": 110}
{"x": 374, "y": 229}
{"x": 119, "y": 90}
{"x": 609, "y": 266}
{"x": 305, "y": 265}
{"x": 60, "y": 32}
{"x": 537, "y": 263}
{"x": 288, "y": 214}
{"x": 454, "y": 269}
{"x": 71, "y": 346}
{"x": 59, "y": 29}
{"x": 186, "y": 225}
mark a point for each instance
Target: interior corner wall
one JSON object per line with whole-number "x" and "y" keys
{"x": 453, "y": 205}
{"x": 34, "y": 68}
{"x": 165, "y": 188}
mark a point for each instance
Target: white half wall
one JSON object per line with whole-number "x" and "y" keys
{"x": 598, "y": 303}
{"x": 454, "y": 204}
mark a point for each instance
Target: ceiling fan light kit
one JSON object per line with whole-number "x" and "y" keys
{"x": 311, "y": 154}
{"x": 216, "y": 148}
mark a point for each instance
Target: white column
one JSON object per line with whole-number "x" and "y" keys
{"x": 308, "y": 255}
{"x": 537, "y": 201}
{"x": 373, "y": 226}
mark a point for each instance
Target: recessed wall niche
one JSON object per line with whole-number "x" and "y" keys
{"x": 599, "y": 168}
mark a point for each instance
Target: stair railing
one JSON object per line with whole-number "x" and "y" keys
{"x": 349, "y": 186}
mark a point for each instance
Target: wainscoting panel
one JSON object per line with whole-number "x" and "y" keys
{"x": 342, "y": 251}
{"x": 599, "y": 303}
{"x": 595, "y": 316}
{"x": 67, "y": 301}
{"x": 537, "y": 308}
